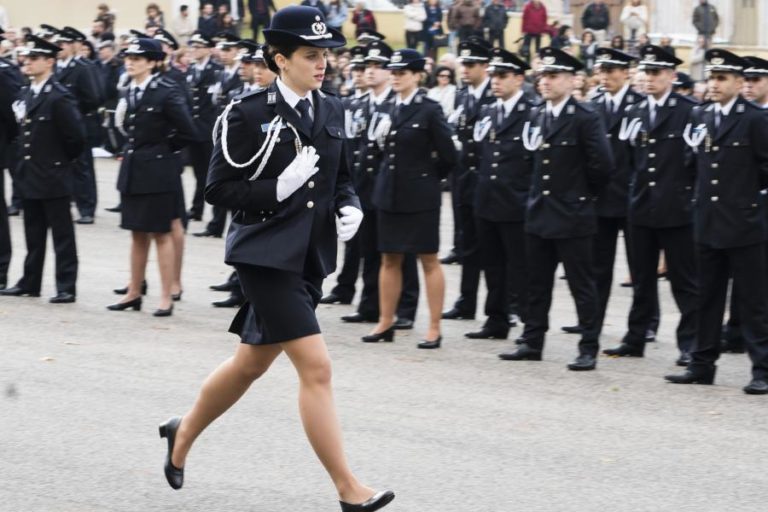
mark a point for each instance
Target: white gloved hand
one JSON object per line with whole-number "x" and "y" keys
{"x": 120, "y": 109}
{"x": 457, "y": 143}
{"x": 382, "y": 130}
{"x": 348, "y": 222}
{"x": 19, "y": 110}
{"x": 297, "y": 173}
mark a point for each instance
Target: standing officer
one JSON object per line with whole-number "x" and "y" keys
{"x": 473, "y": 57}
{"x": 81, "y": 77}
{"x": 503, "y": 182}
{"x": 52, "y": 136}
{"x": 732, "y": 168}
{"x": 170, "y": 71}
{"x": 572, "y": 166}
{"x": 202, "y": 76}
{"x": 660, "y": 216}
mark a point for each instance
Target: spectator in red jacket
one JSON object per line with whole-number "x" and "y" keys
{"x": 534, "y": 24}
{"x": 363, "y": 19}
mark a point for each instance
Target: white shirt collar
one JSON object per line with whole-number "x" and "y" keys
{"x": 726, "y": 109}
{"x": 231, "y": 70}
{"x": 201, "y": 65}
{"x": 143, "y": 85}
{"x": 64, "y": 63}
{"x": 555, "y": 110}
{"x": 478, "y": 91}
{"x": 659, "y": 103}
{"x": 509, "y": 104}
{"x": 378, "y": 100}
{"x": 36, "y": 88}
{"x": 359, "y": 93}
{"x": 618, "y": 97}
{"x": 408, "y": 100}
{"x": 290, "y": 97}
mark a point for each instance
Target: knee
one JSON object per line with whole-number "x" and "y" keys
{"x": 252, "y": 372}
{"x": 318, "y": 373}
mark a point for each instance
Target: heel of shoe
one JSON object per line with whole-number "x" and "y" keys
{"x": 163, "y": 430}
{"x": 137, "y": 306}
{"x": 389, "y": 335}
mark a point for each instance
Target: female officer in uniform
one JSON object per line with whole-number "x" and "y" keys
{"x": 407, "y": 193}
{"x": 279, "y": 164}
{"x": 158, "y": 125}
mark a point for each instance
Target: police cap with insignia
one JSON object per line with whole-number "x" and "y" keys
{"x": 164, "y": 36}
{"x": 608, "y": 58}
{"x": 756, "y": 68}
{"x": 198, "y": 39}
{"x": 74, "y": 34}
{"x": 656, "y": 57}
{"x": 378, "y": 51}
{"x": 473, "y": 50}
{"x": 357, "y": 59}
{"x": 683, "y": 81}
{"x": 368, "y": 36}
{"x": 722, "y": 61}
{"x": 303, "y": 26}
{"x": 406, "y": 59}
{"x": 37, "y": 46}
{"x": 554, "y": 60}
{"x": 144, "y": 47}
{"x": 503, "y": 61}
{"x": 46, "y": 31}
{"x": 135, "y": 34}
{"x": 225, "y": 40}
{"x": 251, "y": 51}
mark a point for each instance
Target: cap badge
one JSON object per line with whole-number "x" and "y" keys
{"x": 397, "y": 58}
{"x": 374, "y": 52}
{"x": 549, "y": 60}
{"x": 498, "y": 59}
{"x": 319, "y": 27}
{"x": 466, "y": 53}
{"x": 134, "y": 48}
{"x": 717, "y": 61}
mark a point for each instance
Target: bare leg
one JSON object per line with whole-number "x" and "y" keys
{"x": 166, "y": 260}
{"x": 435, "y": 282}
{"x": 177, "y": 234}
{"x": 309, "y": 356}
{"x": 390, "y": 287}
{"x": 139, "y": 254}
{"x": 220, "y": 391}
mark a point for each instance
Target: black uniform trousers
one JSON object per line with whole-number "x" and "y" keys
{"x": 469, "y": 256}
{"x": 748, "y": 267}
{"x": 39, "y": 216}
{"x": 677, "y": 244}
{"x": 543, "y": 256}
{"x": 200, "y": 156}
{"x": 218, "y": 221}
{"x": 85, "y": 174}
{"x": 502, "y": 249}
{"x": 5, "y": 232}
{"x": 350, "y": 269}
{"x": 369, "y": 297}
{"x": 10, "y": 161}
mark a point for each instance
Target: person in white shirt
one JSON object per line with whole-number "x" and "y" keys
{"x": 445, "y": 90}
{"x": 414, "y": 14}
{"x": 634, "y": 17}
{"x": 183, "y": 26}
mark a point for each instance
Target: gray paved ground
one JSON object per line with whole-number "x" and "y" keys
{"x": 454, "y": 430}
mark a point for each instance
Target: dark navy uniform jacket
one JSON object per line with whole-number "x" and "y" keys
{"x": 504, "y": 180}
{"x": 661, "y": 188}
{"x": 158, "y": 126}
{"x": 731, "y": 169}
{"x": 419, "y": 153}
{"x": 299, "y": 233}
{"x": 204, "y": 110}
{"x": 613, "y": 201}
{"x": 228, "y": 87}
{"x": 51, "y": 137}
{"x": 11, "y": 82}
{"x": 81, "y": 78}
{"x": 571, "y": 169}
{"x": 466, "y": 177}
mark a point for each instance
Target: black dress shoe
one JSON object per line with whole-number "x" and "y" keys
{"x": 684, "y": 360}
{"x": 134, "y": 304}
{"x": 693, "y": 376}
{"x": 115, "y": 209}
{"x": 733, "y": 347}
{"x": 426, "y": 344}
{"x": 357, "y": 318}
{"x": 85, "y": 219}
{"x": 583, "y": 363}
{"x": 376, "y": 502}
{"x": 176, "y": 297}
{"x": 224, "y": 287}
{"x": 332, "y": 298}
{"x": 13, "y": 211}
{"x": 15, "y": 291}
{"x": 174, "y": 475}
{"x": 403, "y": 324}
{"x": 456, "y": 314}
{"x": 451, "y": 259}
{"x": 163, "y": 312}
{"x": 625, "y": 350}
{"x": 232, "y": 301}
{"x": 123, "y": 291}
{"x": 757, "y": 387}
{"x": 3, "y": 284}
{"x": 388, "y": 335}
{"x": 650, "y": 336}
{"x": 193, "y": 215}
{"x": 513, "y": 320}
{"x": 522, "y": 353}
{"x": 487, "y": 333}
{"x": 573, "y": 329}
{"x": 207, "y": 234}
{"x": 62, "y": 298}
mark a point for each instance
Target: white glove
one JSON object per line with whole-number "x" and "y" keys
{"x": 120, "y": 109}
{"x": 382, "y": 130}
{"x": 457, "y": 143}
{"x": 348, "y": 222}
{"x": 297, "y": 173}
{"x": 454, "y": 117}
{"x": 19, "y": 110}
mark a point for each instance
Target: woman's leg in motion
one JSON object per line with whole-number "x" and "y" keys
{"x": 177, "y": 234}
{"x": 309, "y": 356}
{"x": 390, "y": 286}
{"x": 166, "y": 261}
{"x": 139, "y": 253}
{"x": 435, "y": 283}
{"x": 220, "y": 391}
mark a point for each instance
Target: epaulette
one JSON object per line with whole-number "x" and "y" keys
{"x": 251, "y": 94}
{"x": 421, "y": 97}
{"x": 583, "y": 105}
{"x": 740, "y": 106}
{"x": 59, "y": 87}
{"x": 688, "y": 99}
{"x": 79, "y": 62}
{"x": 165, "y": 82}
{"x": 327, "y": 91}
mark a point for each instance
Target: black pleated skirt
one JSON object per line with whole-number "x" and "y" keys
{"x": 413, "y": 233}
{"x": 151, "y": 213}
{"x": 280, "y": 305}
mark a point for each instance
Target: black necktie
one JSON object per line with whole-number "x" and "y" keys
{"x": 470, "y": 102}
{"x": 718, "y": 120}
{"x": 304, "y": 107}
{"x": 134, "y": 96}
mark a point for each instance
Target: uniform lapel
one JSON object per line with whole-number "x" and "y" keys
{"x": 515, "y": 116}
{"x": 664, "y": 112}
{"x": 34, "y": 102}
{"x": 285, "y": 111}
{"x": 560, "y": 121}
{"x": 729, "y": 121}
{"x": 321, "y": 112}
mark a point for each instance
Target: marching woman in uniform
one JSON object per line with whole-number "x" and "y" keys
{"x": 280, "y": 165}
{"x": 407, "y": 193}
{"x": 158, "y": 125}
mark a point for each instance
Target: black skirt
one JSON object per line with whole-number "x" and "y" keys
{"x": 150, "y": 213}
{"x": 280, "y": 305}
{"x": 413, "y": 233}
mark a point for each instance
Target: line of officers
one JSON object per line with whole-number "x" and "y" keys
{"x": 556, "y": 181}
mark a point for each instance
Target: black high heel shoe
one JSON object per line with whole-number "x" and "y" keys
{"x": 174, "y": 475}
{"x": 378, "y": 501}
{"x": 431, "y": 344}
{"x": 163, "y": 312}
{"x": 176, "y": 297}
{"x": 123, "y": 291}
{"x": 122, "y": 306}
{"x": 388, "y": 335}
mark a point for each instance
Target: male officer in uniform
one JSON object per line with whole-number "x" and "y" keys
{"x": 82, "y": 78}
{"x": 473, "y": 58}
{"x": 51, "y": 138}
{"x": 13, "y": 80}
{"x": 572, "y": 166}
{"x": 660, "y": 216}
{"x": 503, "y": 183}
{"x": 201, "y": 79}
{"x": 170, "y": 45}
{"x": 729, "y": 139}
